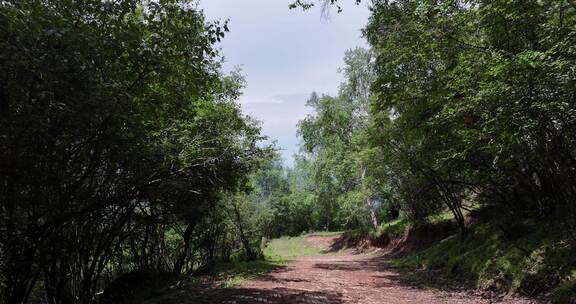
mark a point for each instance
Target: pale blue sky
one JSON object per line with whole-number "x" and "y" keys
{"x": 286, "y": 55}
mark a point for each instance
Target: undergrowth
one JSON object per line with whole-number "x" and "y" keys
{"x": 527, "y": 257}
{"x": 276, "y": 254}
{"x": 394, "y": 228}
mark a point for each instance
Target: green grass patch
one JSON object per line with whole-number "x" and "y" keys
{"x": 354, "y": 234}
{"x": 442, "y": 217}
{"x": 232, "y": 274}
{"x": 277, "y": 253}
{"x": 506, "y": 255}
{"x": 393, "y": 228}
{"x": 398, "y": 226}
{"x": 288, "y": 248}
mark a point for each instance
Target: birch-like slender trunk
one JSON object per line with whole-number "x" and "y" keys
{"x": 368, "y": 200}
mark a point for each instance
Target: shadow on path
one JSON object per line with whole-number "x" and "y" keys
{"x": 272, "y": 296}
{"x": 338, "y": 279}
{"x": 387, "y": 276}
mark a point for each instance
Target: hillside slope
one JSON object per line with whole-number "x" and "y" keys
{"x": 498, "y": 256}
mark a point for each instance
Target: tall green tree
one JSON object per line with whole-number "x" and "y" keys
{"x": 115, "y": 123}
{"x": 477, "y": 96}
{"x": 348, "y": 183}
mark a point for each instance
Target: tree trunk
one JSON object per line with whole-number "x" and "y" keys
{"x": 368, "y": 201}
{"x": 245, "y": 242}
{"x": 373, "y": 217}
{"x": 179, "y": 265}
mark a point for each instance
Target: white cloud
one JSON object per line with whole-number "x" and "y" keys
{"x": 286, "y": 55}
{"x": 248, "y": 100}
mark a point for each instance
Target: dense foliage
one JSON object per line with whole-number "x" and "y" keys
{"x": 472, "y": 103}
{"x": 336, "y": 180}
{"x": 476, "y": 96}
{"x": 119, "y": 138}
{"x": 335, "y": 140}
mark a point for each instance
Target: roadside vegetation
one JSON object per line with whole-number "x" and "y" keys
{"x": 287, "y": 248}
{"x": 276, "y": 254}
{"x": 527, "y": 257}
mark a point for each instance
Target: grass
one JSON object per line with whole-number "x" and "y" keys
{"x": 526, "y": 257}
{"x": 225, "y": 275}
{"x": 393, "y": 228}
{"x": 398, "y": 227}
{"x": 326, "y": 233}
{"x": 276, "y": 254}
{"x": 234, "y": 273}
{"x": 500, "y": 254}
{"x": 288, "y": 248}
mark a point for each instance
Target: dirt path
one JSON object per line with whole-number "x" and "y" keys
{"x": 333, "y": 279}
{"x": 337, "y": 279}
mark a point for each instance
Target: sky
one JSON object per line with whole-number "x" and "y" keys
{"x": 285, "y": 55}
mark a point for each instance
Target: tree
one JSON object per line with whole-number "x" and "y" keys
{"x": 116, "y": 126}
{"x": 475, "y": 98}
{"x": 337, "y": 140}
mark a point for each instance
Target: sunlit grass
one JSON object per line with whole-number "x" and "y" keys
{"x": 287, "y": 248}
{"x": 524, "y": 259}
{"x": 226, "y": 275}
